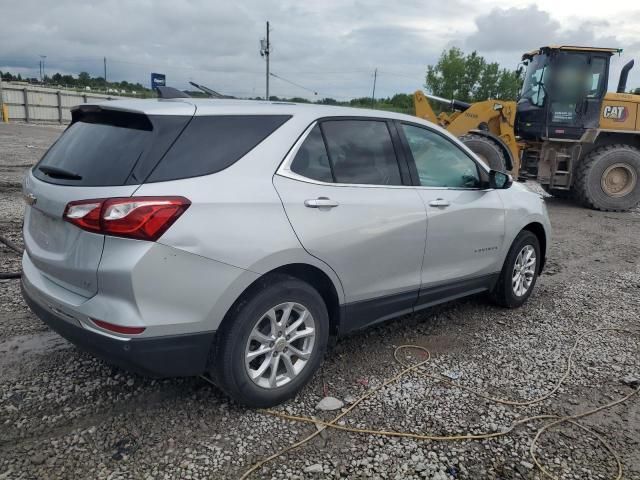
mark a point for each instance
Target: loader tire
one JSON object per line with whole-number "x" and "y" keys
{"x": 487, "y": 150}
{"x": 608, "y": 178}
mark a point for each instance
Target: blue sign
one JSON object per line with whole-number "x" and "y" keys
{"x": 158, "y": 80}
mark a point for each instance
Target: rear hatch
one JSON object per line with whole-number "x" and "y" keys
{"x": 107, "y": 151}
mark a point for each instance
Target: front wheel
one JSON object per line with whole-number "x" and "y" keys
{"x": 608, "y": 178}
{"x": 519, "y": 272}
{"x": 272, "y": 342}
{"x": 488, "y": 150}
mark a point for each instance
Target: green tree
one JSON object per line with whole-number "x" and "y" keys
{"x": 402, "y": 102}
{"x": 445, "y": 78}
{"x": 636, "y": 91}
{"x": 509, "y": 84}
{"x": 474, "y": 67}
{"x": 298, "y": 100}
{"x": 84, "y": 79}
{"x": 489, "y": 79}
{"x": 470, "y": 78}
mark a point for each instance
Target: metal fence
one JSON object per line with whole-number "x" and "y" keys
{"x": 28, "y": 103}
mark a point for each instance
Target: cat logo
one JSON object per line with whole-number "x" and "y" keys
{"x": 615, "y": 113}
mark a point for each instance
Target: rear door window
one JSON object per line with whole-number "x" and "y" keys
{"x": 212, "y": 143}
{"x": 361, "y": 152}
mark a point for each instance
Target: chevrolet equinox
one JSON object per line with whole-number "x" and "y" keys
{"x": 232, "y": 238}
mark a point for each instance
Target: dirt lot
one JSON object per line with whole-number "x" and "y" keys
{"x": 64, "y": 414}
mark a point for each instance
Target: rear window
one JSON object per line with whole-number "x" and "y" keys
{"x": 212, "y": 143}
{"x": 99, "y": 149}
{"x": 113, "y": 148}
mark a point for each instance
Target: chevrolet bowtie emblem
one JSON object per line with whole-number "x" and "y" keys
{"x": 30, "y": 199}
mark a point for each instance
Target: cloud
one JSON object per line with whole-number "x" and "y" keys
{"x": 512, "y": 29}
{"x": 331, "y": 47}
{"x": 504, "y": 34}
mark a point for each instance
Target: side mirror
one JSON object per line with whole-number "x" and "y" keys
{"x": 499, "y": 180}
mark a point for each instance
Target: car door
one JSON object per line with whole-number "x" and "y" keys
{"x": 466, "y": 220}
{"x": 349, "y": 201}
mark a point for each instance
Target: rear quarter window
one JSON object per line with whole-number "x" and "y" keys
{"x": 212, "y": 143}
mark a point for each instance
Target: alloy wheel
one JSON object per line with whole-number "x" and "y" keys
{"x": 524, "y": 271}
{"x": 280, "y": 345}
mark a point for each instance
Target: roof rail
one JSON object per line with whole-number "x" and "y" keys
{"x": 170, "y": 92}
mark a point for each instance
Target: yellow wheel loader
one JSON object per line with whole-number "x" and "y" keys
{"x": 565, "y": 129}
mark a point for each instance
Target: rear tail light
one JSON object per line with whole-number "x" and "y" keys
{"x": 142, "y": 218}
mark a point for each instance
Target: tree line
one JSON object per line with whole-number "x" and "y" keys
{"x": 82, "y": 81}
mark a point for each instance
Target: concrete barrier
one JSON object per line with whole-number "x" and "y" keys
{"x": 22, "y": 102}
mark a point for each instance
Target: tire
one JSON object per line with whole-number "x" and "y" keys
{"x": 593, "y": 170}
{"x": 487, "y": 150}
{"x": 230, "y": 370}
{"x": 504, "y": 293}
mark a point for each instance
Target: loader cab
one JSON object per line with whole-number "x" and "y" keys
{"x": 562, "y": 92}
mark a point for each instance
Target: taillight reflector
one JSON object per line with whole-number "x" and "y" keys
{"x": 142, "y": 218}
{"x": 118, "y": 328}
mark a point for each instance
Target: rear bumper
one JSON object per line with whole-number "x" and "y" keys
{"x": 166, "y": 356}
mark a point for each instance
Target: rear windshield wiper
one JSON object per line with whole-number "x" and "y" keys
{"x": 56, "y": 172}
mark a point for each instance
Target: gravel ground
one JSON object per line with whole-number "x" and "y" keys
{"x": 64, "y": 414}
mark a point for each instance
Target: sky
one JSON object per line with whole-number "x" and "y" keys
{"x": 326, "y": 48}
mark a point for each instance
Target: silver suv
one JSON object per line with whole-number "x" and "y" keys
{"x": 233, "y": 238}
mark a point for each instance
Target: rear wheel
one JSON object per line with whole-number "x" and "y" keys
{"x": 486, "y": 149}
{"x": 608, "y": 178}
{"x": 519, "y": 272}
{"x": 272, "y": 342}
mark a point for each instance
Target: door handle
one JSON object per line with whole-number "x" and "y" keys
{"x": 321, "y": 202}
{"x": 439, "y": 202}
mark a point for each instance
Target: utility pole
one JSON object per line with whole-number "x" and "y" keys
{"x": 265, "y": 47}
{"x": 373, "y": 94}
{"x": 105, "y": 74}
{"x": 3, "y": 111}
{"x": 43, "y": 75}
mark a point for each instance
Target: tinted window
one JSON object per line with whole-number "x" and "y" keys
{"x": 596, "y": 77}
{"x": 101, "y": 149}
{"x": 212, "y": 143}
{"x": 312, "y": 161}
{"x": 361, "y": 151}
{"x": 439, "y": 162}
{"x": 535, "y": 80}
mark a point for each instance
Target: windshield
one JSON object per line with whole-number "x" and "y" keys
{"x": 533, "y": 88}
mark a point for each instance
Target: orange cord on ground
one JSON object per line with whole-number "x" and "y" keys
{"x": 556, "y": 420}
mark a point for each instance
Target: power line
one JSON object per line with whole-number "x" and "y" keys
{"x": 294, "y": 83}
{"x": 394, "y": 74}
{"x": 98, "y": 60}
{"x": 356, "y": 91}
